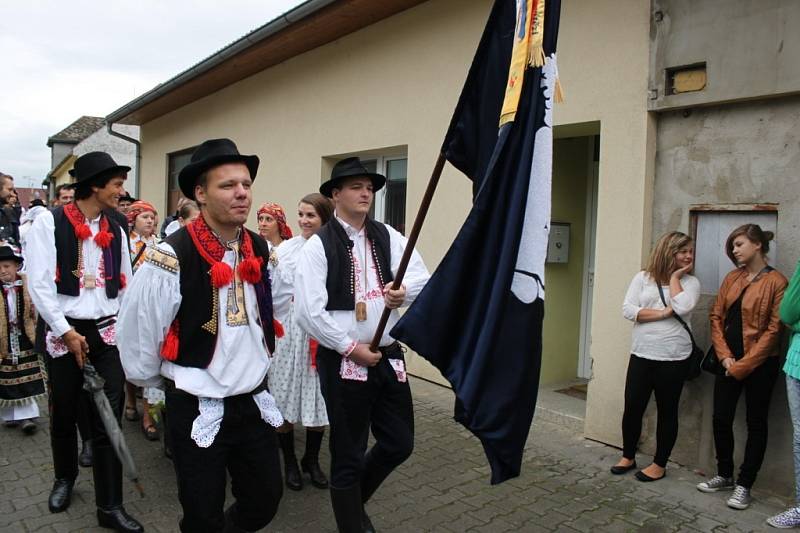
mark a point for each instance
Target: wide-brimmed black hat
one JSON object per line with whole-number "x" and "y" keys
{"x": 208, "y": 155}
{"x": 127, "y": 197}
{"x": 94, "y": 164}
{"x": 351, "y": 167}
{"x": 7, "y": 252}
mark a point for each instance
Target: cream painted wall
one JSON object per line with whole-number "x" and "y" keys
{"x": 395, "y": 83}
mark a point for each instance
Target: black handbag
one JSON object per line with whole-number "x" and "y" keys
{"x": 697, "y": 358}
{"x": 712, "y": 364}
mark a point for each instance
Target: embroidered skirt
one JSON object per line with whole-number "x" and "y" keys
{"x": 22, "y": 382}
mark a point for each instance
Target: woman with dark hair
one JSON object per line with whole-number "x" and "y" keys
{"x": 658, "y": 299}
{"x": 272, "y": 225}
{"x": 746, "y": 333}
{"x": 293, "y": 379}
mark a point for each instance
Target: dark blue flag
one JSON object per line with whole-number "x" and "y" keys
{"x": 479, "y": 318}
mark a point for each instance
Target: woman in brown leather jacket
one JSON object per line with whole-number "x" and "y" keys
{"x": 746, "y": 333}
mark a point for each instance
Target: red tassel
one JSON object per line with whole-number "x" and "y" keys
{"x": 169, "y": 350}
{"x": 58, "y": 273}
{"x": 278, "y": 327}
{"x": 313, "y": 345}
{"x": 250, "y": 270}
{"x": 123, "y": 280}
{"x": 83, "y": 232}
{"x": 221, "y": 274}
{"x": 103, "y": 238}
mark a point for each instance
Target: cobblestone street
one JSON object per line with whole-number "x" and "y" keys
{"x": 565, "y": 486}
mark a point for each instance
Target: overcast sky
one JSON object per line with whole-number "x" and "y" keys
{"x": 60, "y": 60}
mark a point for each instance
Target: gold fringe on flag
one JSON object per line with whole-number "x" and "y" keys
{"x": 536, "y": 39}
{"x": 558, "y": 92}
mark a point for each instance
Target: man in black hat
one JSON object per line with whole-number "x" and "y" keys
{"x": 81, "y": 267}
{"x": 198, "y": 321}
{"x": 343, "y": 281}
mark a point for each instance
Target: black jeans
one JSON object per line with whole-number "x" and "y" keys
{"x": 758, "y": 393}
{"x": 382, "y": 403}
{"x": 645, "y": 377}
{"x": 246, "y": 447}
{"x": 68, "y": 398}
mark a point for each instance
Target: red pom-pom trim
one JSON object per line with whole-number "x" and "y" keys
{"x": 278, "y": 327}
{"x": 313, "y": 346}
{"x": 250, "y": 270}
{"x": 221, "y": 274}
{"x": 123, "y": 280}
{"x": 169, "y": 350}
{"x": 103, "y": 238}
{"x": 82, "y": 232}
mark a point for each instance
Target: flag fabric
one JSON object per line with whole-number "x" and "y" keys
{"x": 479, "y": 318}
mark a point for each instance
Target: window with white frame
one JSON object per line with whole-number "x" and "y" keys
{"x": 711, "y": 227}
{"x": 390, "y": 202}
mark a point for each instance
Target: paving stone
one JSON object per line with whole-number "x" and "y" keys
{"x": 564, "y": 486}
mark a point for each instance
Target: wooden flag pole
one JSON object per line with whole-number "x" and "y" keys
{"x": 412, "y": 242}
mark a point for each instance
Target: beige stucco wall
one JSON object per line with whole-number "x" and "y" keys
{"x": 395, "y": 84}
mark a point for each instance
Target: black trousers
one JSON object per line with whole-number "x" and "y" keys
{"x": 381, "y": 403}
{"x": 645, "y": 377}
{"x": 68, "y": 398}
{"x": 757, "y": 388}
{"x": 246, "y": 447}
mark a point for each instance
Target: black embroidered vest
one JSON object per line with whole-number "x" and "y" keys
{"x": 340, "y": 282}
{"x": 26, "y": 318}
{"x": 198, "y": 315}
{"x": 67, "y": 256}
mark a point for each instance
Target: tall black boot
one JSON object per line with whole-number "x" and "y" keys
{"x": 310, "y": 461}
{"x": 65, "y": 465}
{"x": 108, "y": 492}
{"x": 85, "y": 458}
{"x": 348, "y": 509}
{"x": 230, "y": 521}
{"x": 294, "y": 480}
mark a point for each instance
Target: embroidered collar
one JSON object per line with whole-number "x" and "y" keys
{"x": 212, "y": 251}
{"x": 82, "y": 229}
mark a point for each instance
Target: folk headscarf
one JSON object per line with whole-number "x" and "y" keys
{"x": 276, "y": 212}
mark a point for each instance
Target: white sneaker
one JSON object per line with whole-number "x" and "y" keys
{"x": 740, "y": 499}
{"x": 716, "y": 484}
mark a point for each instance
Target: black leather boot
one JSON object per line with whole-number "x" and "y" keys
{"x": 61, "y": 495}
{"x": 108, "y": 493}
{"x": 348, "y": 509}
{"x": 294, "y": 479}
{"x": 310, "y": 461}
{"x": 85, "y": 458}
{"x": 372, "y": 476}
{"x": 65, "y": 464}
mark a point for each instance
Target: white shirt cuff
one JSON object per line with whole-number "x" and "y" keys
{"x": 60, "y": 327}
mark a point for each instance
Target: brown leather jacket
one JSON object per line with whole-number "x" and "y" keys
{"x": 761, "y": 325}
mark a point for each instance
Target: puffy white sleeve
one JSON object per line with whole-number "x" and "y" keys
{"x": 40, "y": 265}
{"x": 151, "y": 303}
{"x": 631, "y": 307}
{"x": 282, "y": 276}
{"x": 417, "y": 274}
{"x": 311, "y": 298}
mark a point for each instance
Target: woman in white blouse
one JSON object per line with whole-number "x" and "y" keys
{"x": 660, "y": 348}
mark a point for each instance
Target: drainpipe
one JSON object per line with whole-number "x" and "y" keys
{"x": 138, "y": 156}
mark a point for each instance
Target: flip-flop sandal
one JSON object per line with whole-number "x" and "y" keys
{"x": 131, "y": 414}
{"x": 150, "y": 432}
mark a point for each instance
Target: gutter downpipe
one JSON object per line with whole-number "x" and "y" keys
{"x": 138, "y": 156}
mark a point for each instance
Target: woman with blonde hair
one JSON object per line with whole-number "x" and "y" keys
{"x": 746, "y": 332}
{"x": 660, "y": 348}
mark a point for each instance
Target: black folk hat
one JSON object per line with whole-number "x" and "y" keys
{"x": 7, "y": 253}
{"x": 350, "y": 167}
{"x": 208, "y": 155}
{"x": 94, "y": 164}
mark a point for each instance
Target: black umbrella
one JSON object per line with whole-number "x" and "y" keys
{"x": 93, "y": 382}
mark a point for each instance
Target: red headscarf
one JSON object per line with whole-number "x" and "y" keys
{"x": 276, "y": 212}
{"x": 137, "y": 208}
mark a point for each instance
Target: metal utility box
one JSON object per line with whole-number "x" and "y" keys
{"x": 558, "y": 243}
